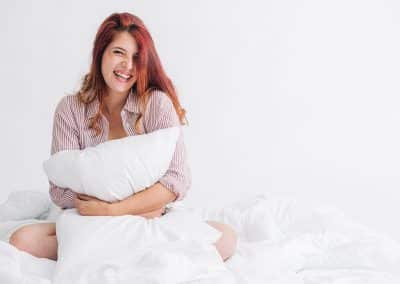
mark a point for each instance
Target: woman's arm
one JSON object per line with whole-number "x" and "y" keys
{"x": 64, "y": 137}
{"x": 173, "y": 186}
{"x": 88, "y": 205}
{"x": 148, "y": 200}
{"x": 160, "y": 113}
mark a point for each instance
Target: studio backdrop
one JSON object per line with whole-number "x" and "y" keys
{"x": 296, "y": 98}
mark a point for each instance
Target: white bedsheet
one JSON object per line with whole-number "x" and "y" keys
{"x": 175, "y": 248}
{"x": 280, "y": 241}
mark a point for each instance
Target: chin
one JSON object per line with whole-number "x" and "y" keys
{"x": 120, "y": 90}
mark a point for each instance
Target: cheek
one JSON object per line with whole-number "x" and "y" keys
{"x": 107, "y": 65}
{"x": 104, "y": 68}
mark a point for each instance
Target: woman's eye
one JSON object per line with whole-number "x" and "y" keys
{"x": 117, "y": 52}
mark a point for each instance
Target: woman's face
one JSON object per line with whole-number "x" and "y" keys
{"x": 118, "y": 64}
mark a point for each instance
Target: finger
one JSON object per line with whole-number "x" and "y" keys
{"x": 84, "y": 197}
{"x": 87, "y": 197}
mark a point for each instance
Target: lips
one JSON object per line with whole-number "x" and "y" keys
{"x": 122, "y": 76}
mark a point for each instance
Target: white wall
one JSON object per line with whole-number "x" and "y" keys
{"x": 290, "y": 97}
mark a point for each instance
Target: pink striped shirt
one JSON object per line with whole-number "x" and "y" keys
{"x": 71, "y": 131}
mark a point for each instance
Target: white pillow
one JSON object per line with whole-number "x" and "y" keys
{"x": 175, "y": 248}
{"x": 24, "y": 204}
{"x": 115, "y": 169}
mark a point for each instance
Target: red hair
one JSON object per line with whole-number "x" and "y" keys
{"x": 149, "y": 71}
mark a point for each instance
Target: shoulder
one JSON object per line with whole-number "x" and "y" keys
{"x": 69, "y": 110}
{"x": 69, "y": 104}
{"x": 159, "y": 99}
{"x": 160, "y": 112}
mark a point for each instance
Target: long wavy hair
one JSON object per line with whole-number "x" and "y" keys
{"x": 149, "y": 71}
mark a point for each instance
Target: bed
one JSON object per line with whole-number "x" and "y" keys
{"x": 281, "y": 240}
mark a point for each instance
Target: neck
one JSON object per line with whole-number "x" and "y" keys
{"x": 114, "y": 102}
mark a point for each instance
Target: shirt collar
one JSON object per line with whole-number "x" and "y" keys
{"x": 131, "y": 105}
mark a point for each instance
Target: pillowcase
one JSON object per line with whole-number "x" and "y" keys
{"x": 175, "y": 248}
{"x": 115, "y": 169}
{"x": 24, "y": 204}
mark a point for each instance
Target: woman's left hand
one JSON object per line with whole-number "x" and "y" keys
{"x": 91, "y": 206}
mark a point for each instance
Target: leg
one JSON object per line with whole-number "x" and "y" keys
{"x": 39, "y": 240}
{"x": 226, "y": 245}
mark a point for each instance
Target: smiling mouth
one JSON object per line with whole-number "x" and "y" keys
{"x": 122, "y": 76}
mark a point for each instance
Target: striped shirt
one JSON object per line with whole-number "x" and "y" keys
{"x": 71, "y": 131}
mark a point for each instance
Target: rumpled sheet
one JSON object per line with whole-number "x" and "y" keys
{"x": 281, "y": 241}
{"x": 174, "y": 248}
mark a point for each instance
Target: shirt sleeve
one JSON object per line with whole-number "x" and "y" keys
{"x": 65, "y": 137}
{"x": 160, "y": 113}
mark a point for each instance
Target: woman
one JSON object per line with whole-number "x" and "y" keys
{"x": 125, "y": 93}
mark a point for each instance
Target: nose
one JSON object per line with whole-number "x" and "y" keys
{"x": 128, "y": 63}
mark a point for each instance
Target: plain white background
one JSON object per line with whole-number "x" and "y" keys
{"x": 299, "y": 98}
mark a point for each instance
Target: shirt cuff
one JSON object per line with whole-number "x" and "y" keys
{"x": 175, "y": 186}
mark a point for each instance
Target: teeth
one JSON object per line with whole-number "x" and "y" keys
{"x": 126, "y": 77}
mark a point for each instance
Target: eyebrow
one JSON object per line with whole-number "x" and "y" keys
{"x": 123, "y": 49}
{"x": 117, "y": 47}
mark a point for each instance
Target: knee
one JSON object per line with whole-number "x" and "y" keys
{"x": 22, "y": 239}
{"x": 226, "y": 244}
